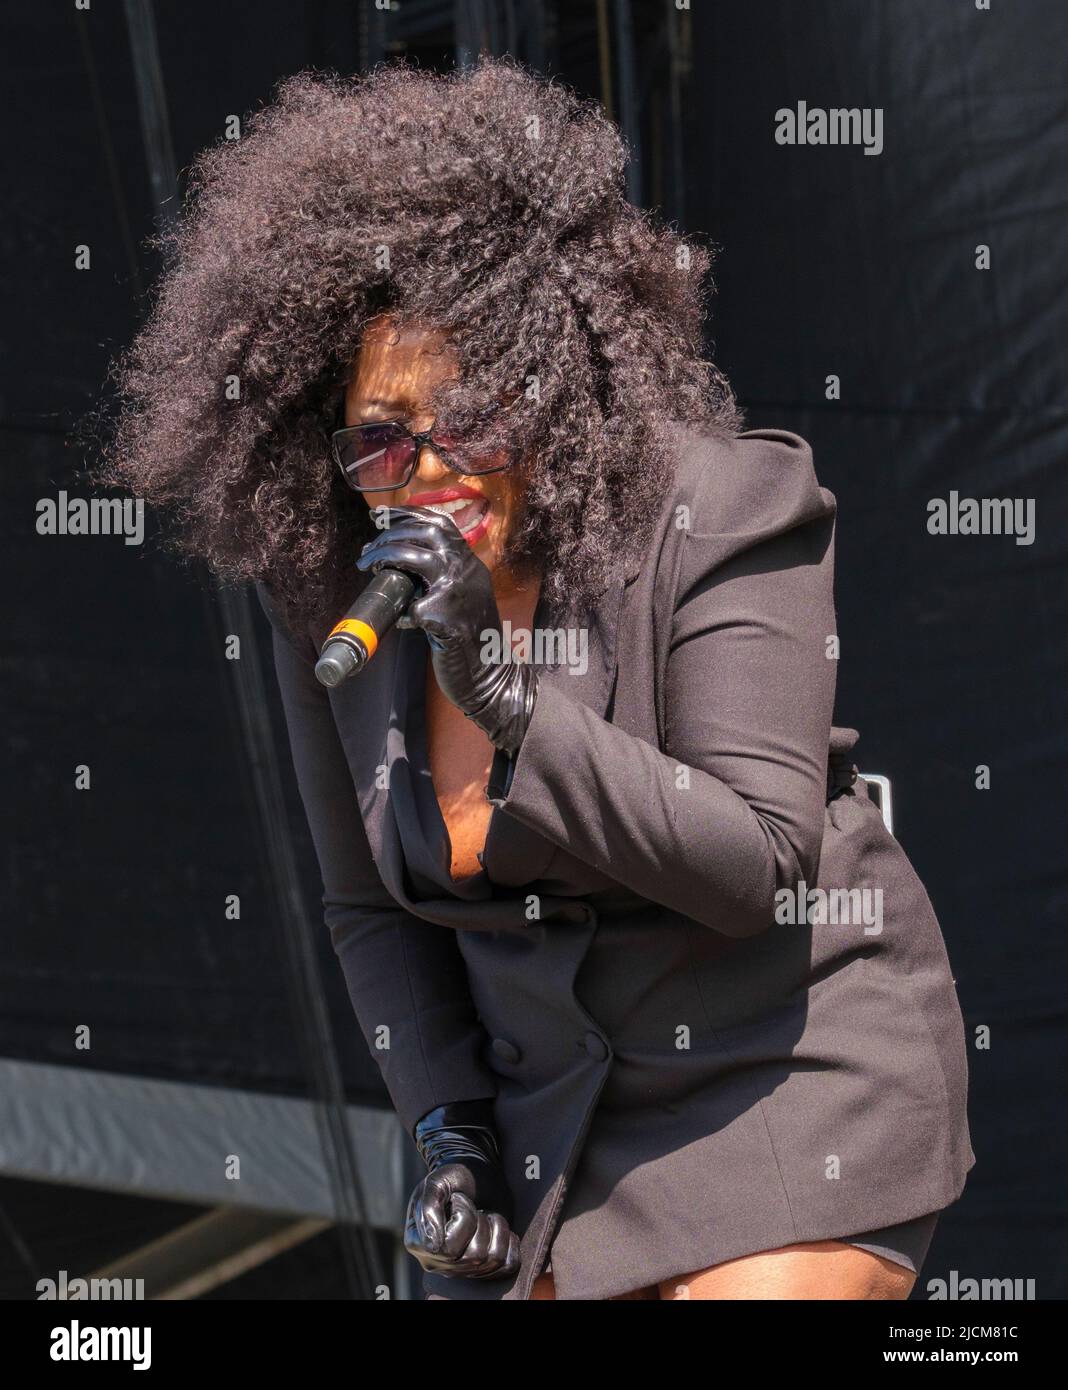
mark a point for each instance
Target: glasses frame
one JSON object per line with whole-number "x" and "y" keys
{"x": 424, "y": 438}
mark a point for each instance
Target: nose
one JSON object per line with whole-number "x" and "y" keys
{"x": 430, "y": 466}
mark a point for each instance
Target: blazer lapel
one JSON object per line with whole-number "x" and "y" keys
{"x": 594, "y": 639}
{"x": 518, "y": 853}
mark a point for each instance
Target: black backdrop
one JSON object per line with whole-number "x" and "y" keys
{"x": 832, "y": 262}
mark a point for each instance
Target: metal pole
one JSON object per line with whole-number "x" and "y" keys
{"x": 604, "y": 57}
{"x": 628, "y": 107}
{"x": 680, "y": 67}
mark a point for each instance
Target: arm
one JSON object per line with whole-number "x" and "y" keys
{"x": 402, "y": 973}
{"x": 749, "y": 695}
{"x": 732, "y": 809}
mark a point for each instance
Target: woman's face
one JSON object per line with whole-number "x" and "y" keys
{"x": 393, "y": 375}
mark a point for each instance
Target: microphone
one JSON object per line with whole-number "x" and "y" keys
{"x": 351, "y": 643}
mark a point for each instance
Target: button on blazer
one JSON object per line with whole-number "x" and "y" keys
{"x": 699, "y": 978}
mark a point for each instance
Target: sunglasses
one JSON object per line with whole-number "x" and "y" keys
{"x": 383, "y": 456}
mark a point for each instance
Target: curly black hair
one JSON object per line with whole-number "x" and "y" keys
{"x": 488, "y": 202}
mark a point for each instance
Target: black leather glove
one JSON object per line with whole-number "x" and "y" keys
{"x": 457, "y": 611}
{"x": 459, "y": 1216}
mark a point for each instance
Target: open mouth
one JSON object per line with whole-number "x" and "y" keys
{"x": 470, "y": 514}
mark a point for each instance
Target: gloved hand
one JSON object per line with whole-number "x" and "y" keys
{"x": 459, "y": 1216}
{"x": 457, "y": 611}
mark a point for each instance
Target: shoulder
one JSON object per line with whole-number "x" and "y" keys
{"x": 282, "y": 621}
{"x": 752, "y": 484}
{"x": 730, "y": 494}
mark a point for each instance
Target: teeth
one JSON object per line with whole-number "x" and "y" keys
{"x": 447, "y": 508}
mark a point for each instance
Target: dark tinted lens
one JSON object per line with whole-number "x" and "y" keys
{"x": 491, "y": 464}
{"x": 465, "y": 460}
{"x": 484, "y": 463}
{"x": 375, "y": 456}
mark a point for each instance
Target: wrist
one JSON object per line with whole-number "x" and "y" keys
{"x": 458, "y": 1132}
{"x": 504, "y": 707}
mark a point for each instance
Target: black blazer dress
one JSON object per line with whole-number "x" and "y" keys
{"x": 684, "y": 1069}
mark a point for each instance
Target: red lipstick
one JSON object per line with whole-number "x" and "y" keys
{"x": 471, "y": 521}
{"x": 452, "y": 493}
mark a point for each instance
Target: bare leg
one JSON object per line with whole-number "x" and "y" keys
{"x": 545, "y": 1288}
{"x": 819, "y": 1269}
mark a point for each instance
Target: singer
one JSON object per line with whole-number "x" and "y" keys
{"x": 560, "y": 895}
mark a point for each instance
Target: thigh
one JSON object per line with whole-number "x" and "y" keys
{"x": 544, "y": 1288}
{"x": 819, "y": 1269}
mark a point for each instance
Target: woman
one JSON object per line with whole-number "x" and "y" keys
{"x": 661, "y": 1002}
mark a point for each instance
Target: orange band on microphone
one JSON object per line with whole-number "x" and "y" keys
{"x": 356, "y": 628}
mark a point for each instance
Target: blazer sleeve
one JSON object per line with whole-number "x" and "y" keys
{"x": 406, "y": 978}
{"x": 732, "y": 808}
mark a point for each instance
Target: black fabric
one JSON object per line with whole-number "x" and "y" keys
{"x": 906, "y": 1244}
